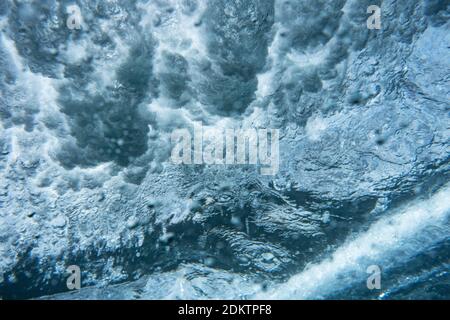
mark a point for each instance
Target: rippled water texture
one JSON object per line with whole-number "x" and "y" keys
{"x": 86, "y": 179}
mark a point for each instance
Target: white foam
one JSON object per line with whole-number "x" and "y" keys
{"x": 380, "y": 244}
{"x": 314, "y": 127}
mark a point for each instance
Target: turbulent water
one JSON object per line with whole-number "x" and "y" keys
{"x": 86, "y": 179}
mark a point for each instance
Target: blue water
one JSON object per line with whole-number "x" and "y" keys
{"x": 91, "y": 91}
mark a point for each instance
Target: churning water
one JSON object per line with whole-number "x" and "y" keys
{"x": 91, "y": 92}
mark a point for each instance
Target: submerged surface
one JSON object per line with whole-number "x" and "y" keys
{"x": 86, "y": 179}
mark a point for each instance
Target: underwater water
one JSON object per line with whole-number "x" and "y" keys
{"x": 91, "y": 92}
